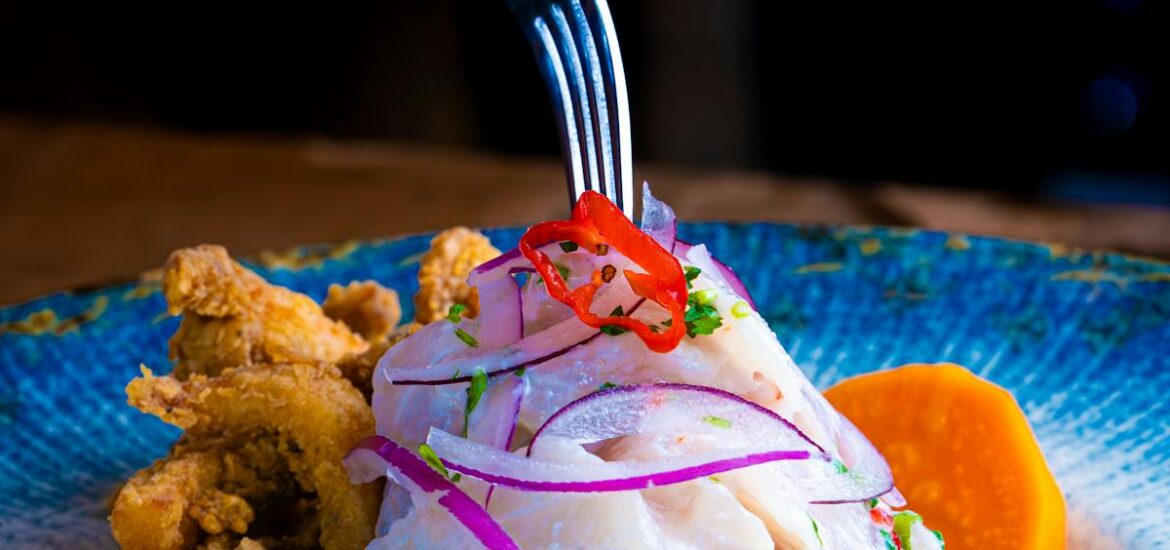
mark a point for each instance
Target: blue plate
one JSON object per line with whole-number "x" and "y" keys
{"x": 1082, "y": 340}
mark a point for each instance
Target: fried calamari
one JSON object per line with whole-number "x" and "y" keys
{"x": 443, "y": 271}
{"x": 368, "y": 308}
{"x": 311, "y": 414}
{"x": 232, "y": 318}
{"x": 272, "y": 391}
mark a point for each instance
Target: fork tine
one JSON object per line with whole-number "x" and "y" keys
{"x": 581, "y": 93}
{"x": 544, "y": 44}
{"x": 576, "y": 48}
{"x": 609, "y": 79}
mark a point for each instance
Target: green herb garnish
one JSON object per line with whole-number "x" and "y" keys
{"x": 716, "y": 421}
{"x": 942, "y": 543}
{"x": 520, "y": 371}
{"x": 702, "y": 319}
{"x": 889, "y": 540}
{"x": 902, "y": 523}
{"x": 741, "y": 309}
{"x": 872, "y": 503}
{"x": 840, "y": 466}
{"x": 816, "y": 530}
{"x": 428, "y": 455}
{"x": 606, "y": 386}
{"x": 467, "y": 338}
{"x": 569, "y": 246}
{"x": 564, "y": 271}
{"x": 614, "y": 330}
{"x": 474, "y": 394}
{"x": 705, "y": 297}
{"x": 455, "y": 313}
{"x": 691, "y": 272}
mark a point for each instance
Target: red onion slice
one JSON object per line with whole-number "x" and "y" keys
{"x": 501, "y": 317}
{"x": 494, "y": 422}
{"x": 894, "y": 498}
{"x": 672, "y": 408}
{"x": 629, "y": 410}
{"x": 862, "y": 459}
{"x": 658, "y": 219}
{"x": 532, "y": 474}
{"x": 684, "y": 408}
{"x": 376, "y": 456}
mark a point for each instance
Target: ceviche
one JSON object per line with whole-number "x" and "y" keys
{"x": 602, "y": 385}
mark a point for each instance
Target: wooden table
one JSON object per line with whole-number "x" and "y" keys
{"x": 88, "y": 203}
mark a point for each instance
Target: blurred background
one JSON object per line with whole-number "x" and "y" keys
{"x": 168, "y": 124}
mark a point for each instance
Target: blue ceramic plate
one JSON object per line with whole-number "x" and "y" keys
{"x": 1080, "y": 339}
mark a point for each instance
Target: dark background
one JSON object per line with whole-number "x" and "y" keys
{"x": 1060, "y": 100}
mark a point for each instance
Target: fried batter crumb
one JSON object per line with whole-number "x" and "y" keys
{"x": 367, "y": 308}
{"x": 443, "y": 271}
{"x": 217, "y": 511}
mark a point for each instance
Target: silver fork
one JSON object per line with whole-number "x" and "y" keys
{"x": 577, "y": 49}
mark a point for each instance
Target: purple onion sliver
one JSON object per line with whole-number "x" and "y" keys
{"x": 519, "y": 389}
{"x": 501, "y": 318}
{"x": 497, "y": 261}
{"x": 894, "y": 498}
{"x": 603, "y": 397}
{"x": 633, "y": 483}
{"x": 658, "y": 220}
{"x": 426, "y": 479}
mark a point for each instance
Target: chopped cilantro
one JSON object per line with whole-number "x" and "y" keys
{"x": 942, "y": 543}
{"x": 456, "y": 477}
{"x": 569, "y": 246}
{"x": 606, "y": 386}
{"x": 840, "y": 466}
{"x": 702, "y": 319}
{"x": 691, "y": 272}
{"x": 741, "y": 309}
{"x": 902, "y": 523}
{"x": 614, "y": 330}
{"x": 520, "y": 371}
{"x": 816, "y": 530}
{"x": 705, "y": 297}
{"x": 474, "y": 394}
{"x": 455, "y": 313}
{"x": 872, "y": 503}
{"x": 716, "y": 421}
{"x": 456, "y": 375}
{"x": 428, "y": 455}
{"x": 467, "y": 338}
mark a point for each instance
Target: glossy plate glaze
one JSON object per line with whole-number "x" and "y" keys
{"x": 1082, "y": 340}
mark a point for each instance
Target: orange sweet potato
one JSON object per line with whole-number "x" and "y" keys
{"x": 962, "y": 453}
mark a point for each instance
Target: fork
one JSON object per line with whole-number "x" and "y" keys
{"x": 577, "y": 50}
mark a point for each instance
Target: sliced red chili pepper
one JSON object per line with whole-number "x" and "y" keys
{"x": 597, "y": 225}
